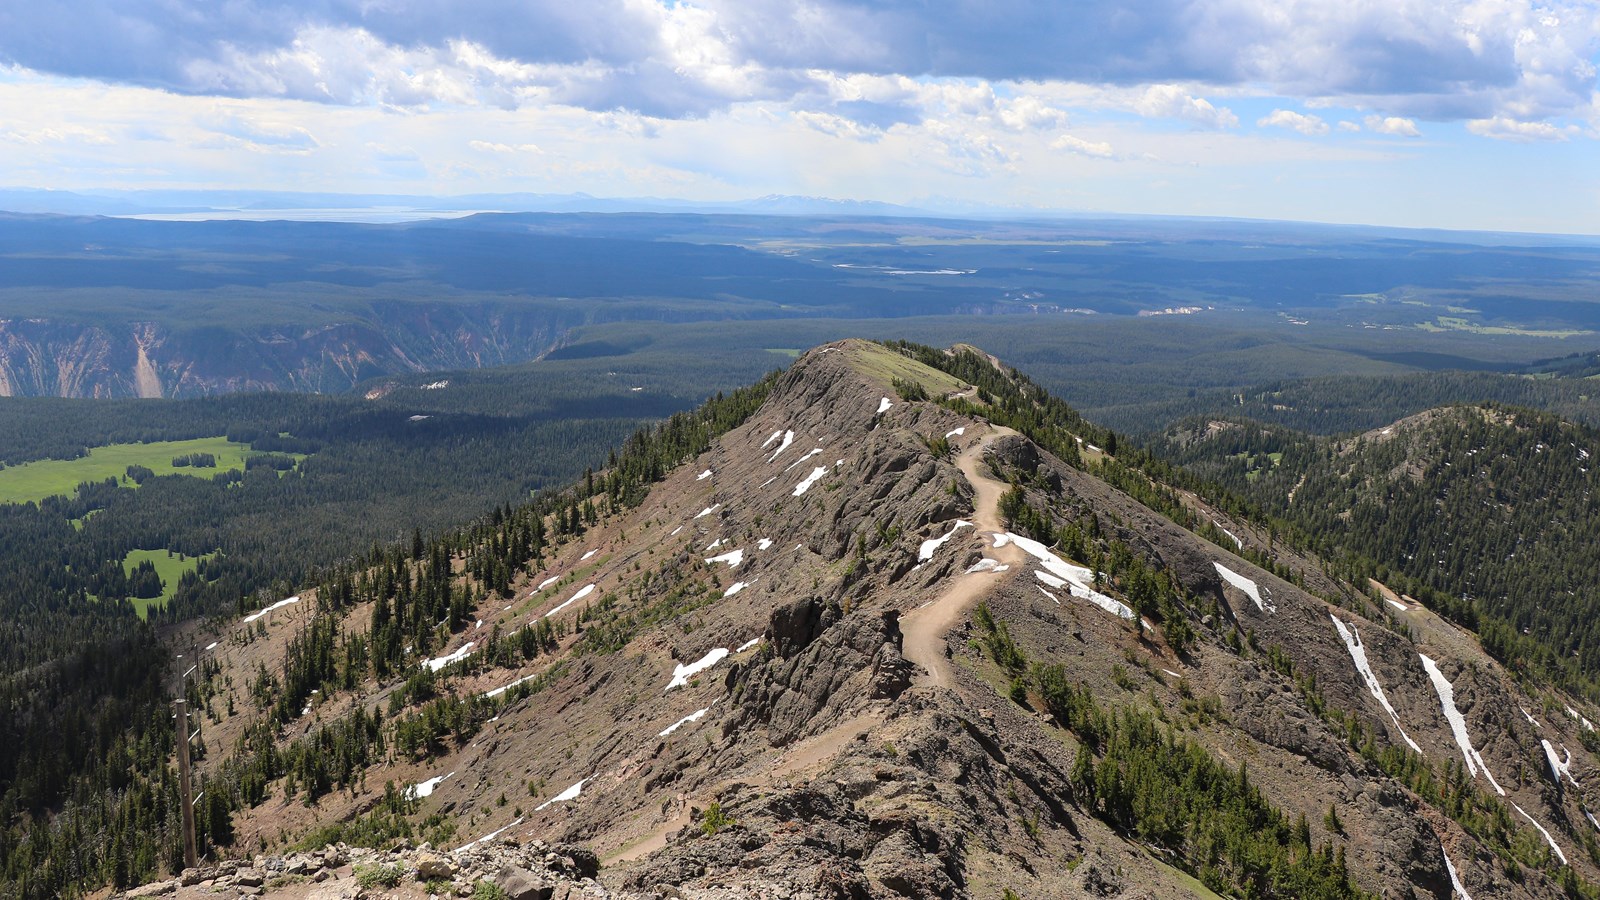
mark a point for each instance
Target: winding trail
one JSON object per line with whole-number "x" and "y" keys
{"x": 924, "y": 628}
{"x": 923, "y": 642}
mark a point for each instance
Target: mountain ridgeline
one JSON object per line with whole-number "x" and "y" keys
{"x": 893, "y": 623}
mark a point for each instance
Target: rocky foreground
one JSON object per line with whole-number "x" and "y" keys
{"x": 500, "y": 870}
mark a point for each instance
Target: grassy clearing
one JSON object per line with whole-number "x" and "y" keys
{"x": 171, "y": 568}
{"x": 1452, "y": 323}
{"x": 1184, "y": 879}
{"x": 886, "y": 365}
{"x": 43, "y": 478}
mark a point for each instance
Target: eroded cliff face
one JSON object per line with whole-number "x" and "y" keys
{"x": 44, "y": 357}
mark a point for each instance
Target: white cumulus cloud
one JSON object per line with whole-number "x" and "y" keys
{"x": 1092, "y": 149}
{"x": 1395, "y": 126}
{"x": 1170, "y": 101}
{"x": 1505, "y": 129}
{"x": 1286, "y": 118}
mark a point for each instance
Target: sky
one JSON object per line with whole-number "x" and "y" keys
{"x": 1481, "y": 114}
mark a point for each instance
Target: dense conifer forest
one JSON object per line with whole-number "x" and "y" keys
{"x": 86, "y": 675}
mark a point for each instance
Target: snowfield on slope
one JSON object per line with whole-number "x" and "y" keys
{"x": 931, "y": 545}
{"x": 813, "y": 478}
{"x": 1458, "y": 722}
{"x": 424, "y": 788}
{"x": 691, "y": 717}
{"x": 788, "y": 438}
{"x": 1246, "y": 585}
{"x": 438, "y": 663}
{"x": 682, "y": 673}
{"x": 570, "y": 793}
{"x": 1358, "y": 654}
{"x": 279, "y": 605}
{"x": 1076, "y": 579}
{"x": 584, "y": 592}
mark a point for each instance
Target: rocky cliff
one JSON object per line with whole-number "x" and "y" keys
{"x": 46, "y": 357}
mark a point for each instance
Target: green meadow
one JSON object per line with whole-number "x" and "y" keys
{"x": 171, "y": 568}
{"x": 43, "y": 478}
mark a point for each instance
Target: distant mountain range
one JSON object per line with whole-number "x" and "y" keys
{"x": 179, "y": 202}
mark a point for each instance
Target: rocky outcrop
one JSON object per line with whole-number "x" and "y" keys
{"x": 824, "y": 665}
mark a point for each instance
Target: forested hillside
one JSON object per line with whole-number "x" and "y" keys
{"x": 1488, "y": 513}
{"x": 84, "y": 681}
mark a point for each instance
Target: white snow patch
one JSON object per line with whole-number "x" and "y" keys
{"x": 884, "y": 404}
{"x": 424, "y": 788}
{"x": 735, "y": 588}
{"x": 1050, "y": 595}
{"x": 477, "y": 626}
{"x": 691, "y": 717}
{"x": 733, "y": 559}
{"x": 436, "y": 386}
{"x": 703, "y": 475}
{"x": 1246, "y": 585}
{"x": 1458, "y": 722}
{"x": 1172, "y": 673}
{"x": 797, "y": 463}
{"x": 212, "y": 645}
{"x": 1577, "y": 717}
{"x": 1558, "y": 767}
{"x": 546, "y": 583}
{"x": 987, "y": 565}
{"x": 498, "y": 831}
{"x": 764, "y": 543}
{"x": 769, "y": 481}
{"x": 954, "y": 432}
{"x": 583, "y": 592}
{"x": 682, "y": 673}
{"x": 675, "y": 531}
{"x": 570, "y": 793}
{"x": 279, "y": 605}
{"x": 1094, "y": 448}
{"x": 503, "y": 688}
{"x": 1547, "y": 838}
{"x": 715, "y": 544}
{"x": 930, "y": 546}
{"x": 1529, "y": 716}
{"x": 1592, "y": 820}
{"x": 1047, "y": 578}
{"x": 1078, "y": 580}
{"x": 1358, "y": 654}
{"x": 1236, "y": 541}
{"x": 707, "y": 511}
{"x": 418, "y": 418}
{"x": 1455, "y": 879}
{"x": 438, "y": 663}
{"x": 1397, "y": 604}
{"x": 748, "y": 644}
{"x": 813, "y": 478}
{"x": 768, "y": 442}
{"x": 587, "y": 555}
{"x": 788, "y": 438}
